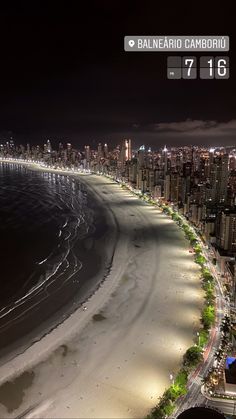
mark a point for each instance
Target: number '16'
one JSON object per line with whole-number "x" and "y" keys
{"x": 221, "y": 67}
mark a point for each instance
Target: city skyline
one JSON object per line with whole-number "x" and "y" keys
{"x": 166, "y": 141}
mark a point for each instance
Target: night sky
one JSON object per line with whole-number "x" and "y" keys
{"x": 65, "y": 75}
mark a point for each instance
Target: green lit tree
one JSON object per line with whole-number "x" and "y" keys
{"x": 192, "y": 356}
{"x": 208, "y": 316}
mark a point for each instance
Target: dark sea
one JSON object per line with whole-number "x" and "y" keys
{"x": 49, "y": 233}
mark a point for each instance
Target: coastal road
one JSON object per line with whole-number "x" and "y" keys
{"x": 115, "y": 359}
{"x": 194, "y": 396}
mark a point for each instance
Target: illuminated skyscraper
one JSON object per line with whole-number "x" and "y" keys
{"x": 227, "y": 239}
{"x": 49, "y": 147}
{"x": 175, "y": 187}
{"x": 141, "y": 156}
{"x": 164, "y": 160}
{"x": 219, "y": 173}
{"x": 167, "y": 187}
{"x": 87, "y": 152}
{"x": 126, "y": 152}
{"x": 105, "y": 151}
{"x": 100, "y": 151}
{"x": 27, "y": 148}
{"x": 68, "y": 146}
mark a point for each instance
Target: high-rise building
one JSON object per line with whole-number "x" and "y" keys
{"x": 69, "y": 147}
{"x": 28, "y": 149}
{"x": 105, "y": 150}
{"x": 49, "y": 147}
{"x": 232, "y": 162}
{"x": 87, "y": 153}
{"x": 60, "y": 147}
{"x": 100, "y": 151}
{"x": 164, "y": 160}
{"x": 141, "y": 156}
{"x": 167, "y": 188}
{"x": 187, "y": 169}
{"x": 227, "y": 230}
{"x": 126, "y": 152}
{"x": 175, "y": 187}
{"x": 142, "y": 180}
{"x": 219, "y": 173}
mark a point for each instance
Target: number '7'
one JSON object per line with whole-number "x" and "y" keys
{"x": 189, "y": 62}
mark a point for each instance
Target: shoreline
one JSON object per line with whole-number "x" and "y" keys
{"x": 149, "y": 308}
{"x": 28, "y": 330}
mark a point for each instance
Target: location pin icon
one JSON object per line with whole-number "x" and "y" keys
{"x": 131, "y": 43}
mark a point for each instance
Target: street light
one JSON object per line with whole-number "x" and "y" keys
{"x": 198, "y": 335}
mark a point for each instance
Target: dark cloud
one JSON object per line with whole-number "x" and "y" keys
{"x": 197, "y": 128}
{"x": 179, "y": 133}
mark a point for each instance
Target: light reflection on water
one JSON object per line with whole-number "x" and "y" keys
{"x": 43, "y": 215}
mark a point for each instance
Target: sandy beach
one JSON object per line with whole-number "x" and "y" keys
{"x": 114, "y": 359}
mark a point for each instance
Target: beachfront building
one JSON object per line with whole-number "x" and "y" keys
{"x": 230, "y": 376}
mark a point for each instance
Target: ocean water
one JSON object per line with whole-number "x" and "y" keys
{"x": 44, "y": 221}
